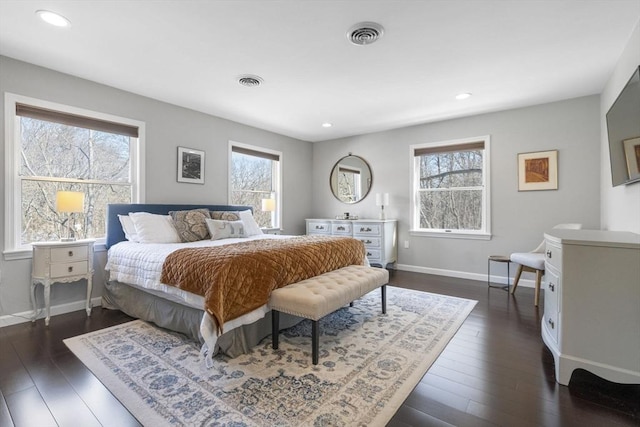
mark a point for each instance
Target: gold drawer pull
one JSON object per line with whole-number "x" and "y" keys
{"x": 70, "y": 253}
{"x": 70, "y": 269}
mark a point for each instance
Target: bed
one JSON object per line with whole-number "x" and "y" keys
{"x": 139, "y": 292}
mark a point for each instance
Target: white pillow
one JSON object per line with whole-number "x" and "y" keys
{"x": 220, "y": 229}
{"x": 152, "y": 228}
{"x": 128, "y": 228}
{"x": 251, "y": 227}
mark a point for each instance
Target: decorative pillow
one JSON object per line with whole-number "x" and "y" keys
{"x": 152, "y": 228}
{"x": 251, "y": 227}
{"x": 191, "y": 225}
{"x": 128, "y": 228}
{"x": 225, "y": 215}
{"x": 225, "y": 229}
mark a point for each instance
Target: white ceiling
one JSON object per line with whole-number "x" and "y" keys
{"x": 189, "y": 53}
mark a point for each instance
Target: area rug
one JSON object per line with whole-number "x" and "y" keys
{"x": 369, "y": 363}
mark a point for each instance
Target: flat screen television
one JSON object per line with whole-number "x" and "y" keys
{"x": 623, "y": 129}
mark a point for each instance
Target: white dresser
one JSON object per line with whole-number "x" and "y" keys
{"x": 379, "y": 236}
{"x": 592, "y": 303}
{"x": 61, "y": 262}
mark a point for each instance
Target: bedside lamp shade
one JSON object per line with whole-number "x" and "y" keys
{"x": 69, "y": 201}
{"x": 268, "y": 205}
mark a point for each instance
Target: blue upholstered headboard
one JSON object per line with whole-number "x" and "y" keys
{"x": 114, "y": 229}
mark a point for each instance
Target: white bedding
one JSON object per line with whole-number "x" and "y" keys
{"x": 140, "y": 265}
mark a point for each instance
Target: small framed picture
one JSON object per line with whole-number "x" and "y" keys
{"x": 632, "y": 155}
{"x": 538, "y": 171}
{"x": 190, "y": 165}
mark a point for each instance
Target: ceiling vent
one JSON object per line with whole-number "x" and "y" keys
{"x": 250, "y": 81}
{"x": 365, "y": 33}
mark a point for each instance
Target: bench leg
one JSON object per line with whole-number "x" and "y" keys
{"x": 315, "y": 341}
{"x": 275, "y": 328}
{"x": 384, "y": 299}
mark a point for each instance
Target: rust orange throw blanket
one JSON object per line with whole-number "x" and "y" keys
{"x": 238, "y": 278}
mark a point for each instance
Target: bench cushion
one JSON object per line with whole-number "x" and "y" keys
{"x": 318, "y": 296}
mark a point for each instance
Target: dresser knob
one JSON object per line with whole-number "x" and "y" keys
{"x": 549, "y": 254}
{"x": 70, "y": 269}
{"x": 70, "y": 253}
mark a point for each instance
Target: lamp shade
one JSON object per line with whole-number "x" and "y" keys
{"x": 268, "y": 205}
{"x": 382, "y": 199}
{"x": 69, "y": 201}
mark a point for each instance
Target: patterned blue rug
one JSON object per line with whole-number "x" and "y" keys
{"x": 369, "y": 363}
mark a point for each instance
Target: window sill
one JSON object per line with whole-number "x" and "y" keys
{"x": 451, "y": 235}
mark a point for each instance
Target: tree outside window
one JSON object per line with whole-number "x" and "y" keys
{"x": 450, "y": 187}
{"x": 255, "y": 175}
{"x": 60, "y": 151}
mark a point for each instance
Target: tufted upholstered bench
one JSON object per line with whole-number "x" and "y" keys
{"x": 318, "y": 296}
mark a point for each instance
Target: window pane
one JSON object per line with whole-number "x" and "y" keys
{"x": 56, "y": 150}
{"x": 252, "y": 179}
{"x": 348, "y": 186}
{"x": 41, "y": 222}
{"x": 451, "y": 210}
{"x": 253, "y": 199}
{"x": 451, "y": 170}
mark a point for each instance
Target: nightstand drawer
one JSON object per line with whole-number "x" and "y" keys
{"x": 68, "y": 269}
{"x": 75, "y": 253}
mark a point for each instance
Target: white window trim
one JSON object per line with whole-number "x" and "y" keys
{"x": 485, "y": 233}
{"x": 278, "y": 183}
{"x": 12, "y": 204}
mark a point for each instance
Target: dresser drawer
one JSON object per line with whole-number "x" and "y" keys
{"x": 319, "y": 228}
{"x": 370, "y": 242}
{"x": 74, "y": 253}
{"x": 373, "y": 254}
{"x": 367, "y": 229}
{"x": 341, "y": 228}
{"x": 552, "y": 285}
{"x": 68, "y": 269}
{"x": 553, "y": 255}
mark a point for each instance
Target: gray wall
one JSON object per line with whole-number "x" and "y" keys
{"x": 620, "y": 207}
{"x": 518, "y": 218}
{"x": 167, "y": 127}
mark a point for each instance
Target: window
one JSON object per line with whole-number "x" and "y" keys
{"x": 58, "y": 148}
{"x": 450, "y": 187}
{"x": 349, "y": 183}
{"x": 254, "y": 175}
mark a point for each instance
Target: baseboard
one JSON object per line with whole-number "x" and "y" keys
{"x": 465, "y": 275}
{"x": 25, "y": 316}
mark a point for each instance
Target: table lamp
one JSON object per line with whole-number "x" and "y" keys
{"x": 69, "y": 202}
{"x": 382, "y": 200}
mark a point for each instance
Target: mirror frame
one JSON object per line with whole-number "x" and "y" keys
{"x": 334, "y": 169}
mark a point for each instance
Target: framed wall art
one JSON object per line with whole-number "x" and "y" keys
{"x": 632, "y": 155}
{"x": 190, "y": 165}
{"x": 538, "y": 171}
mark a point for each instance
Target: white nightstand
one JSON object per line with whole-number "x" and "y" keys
{"x": 271, "y": 230}
{"x": 61, "y": 262}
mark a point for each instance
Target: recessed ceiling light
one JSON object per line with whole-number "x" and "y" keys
{"x": 463, "y": 95}
{"x": 326, "y": 125}
{"x": 53, "y": 18}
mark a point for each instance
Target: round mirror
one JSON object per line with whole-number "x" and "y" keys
{"x": 351, "y": 179}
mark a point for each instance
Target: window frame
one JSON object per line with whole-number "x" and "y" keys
{"x": 13, "y": 249}
{"x": 276, "y": 176}
{"x": 414, "y": 222}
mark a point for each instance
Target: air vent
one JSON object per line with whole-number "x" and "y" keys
{"x": 365, "y": 33}
{"x": 250, "y": 81}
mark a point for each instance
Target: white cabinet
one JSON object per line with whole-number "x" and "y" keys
{"x": 592, "y": 303}
{"x": 61, "y": 262}
{"x": 379, "y": 236}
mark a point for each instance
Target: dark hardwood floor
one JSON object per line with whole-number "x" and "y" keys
{"x": 495, "y": 371}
